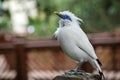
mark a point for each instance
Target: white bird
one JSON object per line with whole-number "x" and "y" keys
{"x": 74, "y": 42}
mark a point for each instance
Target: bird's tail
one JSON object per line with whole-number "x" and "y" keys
{"x": 96, "y": 64}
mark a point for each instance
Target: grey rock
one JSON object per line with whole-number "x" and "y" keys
{"x": 77, "y": 75}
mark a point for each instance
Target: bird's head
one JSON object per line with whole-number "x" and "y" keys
{"x": 67, "y": 17}
{"x": 64, "y": 15}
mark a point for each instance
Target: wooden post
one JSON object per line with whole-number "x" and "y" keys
{"x": 21, "y": 59}
{"x": 113, "y": 57}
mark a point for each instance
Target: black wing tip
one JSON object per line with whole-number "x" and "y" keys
{"x": 99, "y": 62}
{"x": 101, "y": 75}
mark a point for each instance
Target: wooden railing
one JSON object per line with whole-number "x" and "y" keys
{"x": 19, "y": 45}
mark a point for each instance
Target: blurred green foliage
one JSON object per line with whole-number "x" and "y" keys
{"x": 98, "y": 15}
{"x": 4, "y": 22}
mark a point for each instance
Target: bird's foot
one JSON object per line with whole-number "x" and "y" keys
{"x": 75, "y": 72}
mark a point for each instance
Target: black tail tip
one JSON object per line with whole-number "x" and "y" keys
{"x": 99, "y": 62}
{"x": 101, "y": 75}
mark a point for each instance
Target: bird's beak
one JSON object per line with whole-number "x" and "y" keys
{"x": 57, "y": 13}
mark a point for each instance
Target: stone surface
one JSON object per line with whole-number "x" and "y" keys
{"x": 79, "y": 75}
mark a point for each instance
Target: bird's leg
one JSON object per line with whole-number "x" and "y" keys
{"x": 79, "y": 66}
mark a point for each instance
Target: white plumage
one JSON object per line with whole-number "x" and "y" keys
{"x": 74, "y": 41}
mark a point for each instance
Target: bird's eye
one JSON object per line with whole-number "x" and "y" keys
{"x": 67, "y": 17}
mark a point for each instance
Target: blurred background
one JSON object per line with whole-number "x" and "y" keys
{"x": 26, "y": 27}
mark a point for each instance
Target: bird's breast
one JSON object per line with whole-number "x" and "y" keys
{"x": 67, "y": 43}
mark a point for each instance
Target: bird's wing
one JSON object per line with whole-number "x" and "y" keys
{"x": 83, "y": 43}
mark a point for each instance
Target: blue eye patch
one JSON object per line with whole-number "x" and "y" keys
{"x": 66, "y": 17}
